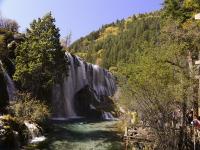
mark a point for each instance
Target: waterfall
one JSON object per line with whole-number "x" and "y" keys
{"x": 10, "y": 86}
{"x": 35, "y": 134}
{"x": 9, "y": 82}
{"x": 80, "y": 74}
{"x": 108, "y": 116}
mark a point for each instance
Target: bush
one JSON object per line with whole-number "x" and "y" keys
{"x": 12, "y": 132}
{"x": 26, "y": 107}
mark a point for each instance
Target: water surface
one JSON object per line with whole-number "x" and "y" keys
{"x": 82, "y": 135}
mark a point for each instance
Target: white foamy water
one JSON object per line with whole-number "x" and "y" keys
{"x": 35, "y": 133}
{"x": 9, "y": 82}
{"x": 10, "y": 86}
{"x": 38, "y": 139}
{"x": 108, "y": 116}
{"x": 80, "y": 75}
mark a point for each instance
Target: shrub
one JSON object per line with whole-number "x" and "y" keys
{"x": 25, "y": 107}
{"x": 12, "y": 131}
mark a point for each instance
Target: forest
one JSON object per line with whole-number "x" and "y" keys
{"x": 152, "y": 57}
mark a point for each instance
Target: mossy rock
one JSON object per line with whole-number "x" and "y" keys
{"x": 13, "y": 133}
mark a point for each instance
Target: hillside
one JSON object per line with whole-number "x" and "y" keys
{"x": 114, "y": 43}
{"x": 153, "y": 57}
{"x": 149, "y": 87}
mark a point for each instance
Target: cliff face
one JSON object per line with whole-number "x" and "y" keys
{"x": 84, "y": 86}
{"x": 4, "y": 98}
{"x": 8, "y": 44}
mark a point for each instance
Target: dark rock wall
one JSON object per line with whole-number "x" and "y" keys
{"x": 4, "y": 98}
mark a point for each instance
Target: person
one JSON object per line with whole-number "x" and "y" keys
{"x": 189, "y": 117}
{"x": 196, "y": 122}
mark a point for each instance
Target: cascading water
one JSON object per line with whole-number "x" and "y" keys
{"x": 10, "y": 84}
{"x": 108, "y": 116}
{"x": 80, "y": 74}
{"x": 35, "y": 134}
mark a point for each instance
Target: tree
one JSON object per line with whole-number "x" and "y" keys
{"x": 181, "y": 9}
{"x": 5, "y": 38}
{"x": 9, "y": 24}
{"x": 40, "y": 59}
{"x": 66, "y": 41}
{"x": 149, "y": 58}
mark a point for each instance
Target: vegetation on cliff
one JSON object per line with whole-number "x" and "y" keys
{"x": 153, "y": 57}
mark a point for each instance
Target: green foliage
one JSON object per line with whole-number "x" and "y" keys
{"x": 181, "y": 9}
{"x": 8, "y": 28}
{"x": 27, "y": 108}
{"x": 115, "y": 42}
{"x": 149, "y": 55}
{"x": 5, "y": 38}
{"x": 40, "y": 59}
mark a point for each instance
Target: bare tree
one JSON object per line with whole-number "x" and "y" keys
{"x": 66, "y": 41}
{"x": 9, "y": 24}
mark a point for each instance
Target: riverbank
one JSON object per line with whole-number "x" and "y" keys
{"x": 81, "y": 135}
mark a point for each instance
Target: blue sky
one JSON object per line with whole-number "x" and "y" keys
{"x": 79, "y": 17}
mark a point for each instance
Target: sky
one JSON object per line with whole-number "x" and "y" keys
{"x": 80, "y": 17}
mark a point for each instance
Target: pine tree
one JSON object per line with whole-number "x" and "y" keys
{"x": 181, "y": 9}
{"x": 40, "y": 59}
